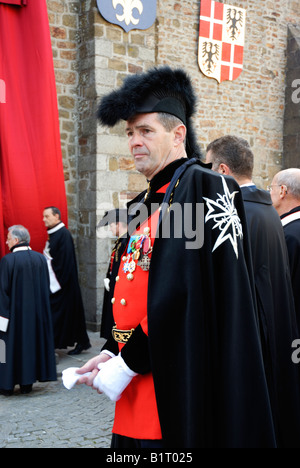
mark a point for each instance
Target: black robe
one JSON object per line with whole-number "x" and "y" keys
{"x": 204, "y": 346}
{"x": 24, "y": 300}
{"x": 276, "y": 313}
{"x": 292, "y": 237}
{"x": 66, "y": 304}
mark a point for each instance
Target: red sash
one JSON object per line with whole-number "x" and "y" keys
{"x": 136, "y": 413}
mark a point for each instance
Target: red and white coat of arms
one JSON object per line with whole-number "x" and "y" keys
{"x": 221, "y": 40}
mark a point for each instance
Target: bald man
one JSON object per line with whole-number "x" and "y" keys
{"x": 285, "y": 194}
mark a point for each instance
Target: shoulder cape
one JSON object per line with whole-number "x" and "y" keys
{"x": 203, "y": 327}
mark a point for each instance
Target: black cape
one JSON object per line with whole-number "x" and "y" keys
{"x": 203, "y": 330}
{"x": 292, "y": 237}
{"x": 24, "y": 300}
{"x": 204, "y": 345}
{"x": 276, "y": 313}
{"x": 66, "y": 304}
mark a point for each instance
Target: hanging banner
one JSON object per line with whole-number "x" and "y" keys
{"x": 221, "y": 40}
{"x": 129, "y": 14}
{"x": 14, "y": 2}
{"x": 31, "y": 168}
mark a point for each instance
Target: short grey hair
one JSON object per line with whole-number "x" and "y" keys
{"x": 19, "y": 232}
{"x": 291, "y": 179}
{"x": 169, "y": 121}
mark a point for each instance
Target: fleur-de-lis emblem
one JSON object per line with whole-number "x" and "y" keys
{"x": 128, "y": 7}
{"x": 129, "y": 14}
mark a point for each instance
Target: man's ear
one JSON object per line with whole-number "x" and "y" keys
{"x": 283, "y": 191}
{"x": 179, "y": 134}
{"x": 224, "y": 169}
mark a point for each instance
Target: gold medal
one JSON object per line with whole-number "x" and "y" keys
{"x": 136, "y": 255}
{"x": 138, "y": 250}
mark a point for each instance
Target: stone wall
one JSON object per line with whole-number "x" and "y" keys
{"x": 291, "y": 133}
{"x": 253, "y": 105}
{"x": 91, "y": 57}
{"x": 64, "y": 28}
{"x": 72, "y": 30}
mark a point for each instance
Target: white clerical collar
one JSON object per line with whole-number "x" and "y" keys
{"x": 56, "y": 228}
{"x": 290, "y": 218}
{"x": 250, "y": 184}
{"x": 19, "y": 249}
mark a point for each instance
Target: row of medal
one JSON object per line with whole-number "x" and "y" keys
{"x": 138, "y": 251}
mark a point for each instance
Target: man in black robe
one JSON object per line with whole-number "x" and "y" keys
{"x": 285, "y": 194}
{"x": 25, "y": 316}
{"x": 66, "y": 300}
{"x": 117, "y": 221}
{"x": 232, "y": 156}
{"x": 200, "y": 339}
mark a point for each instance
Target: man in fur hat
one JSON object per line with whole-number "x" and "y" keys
{"x": 116, "y": 219}
{"x": 184, "y": 362}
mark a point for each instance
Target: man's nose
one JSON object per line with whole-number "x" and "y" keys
{"x": 136, "y": 140}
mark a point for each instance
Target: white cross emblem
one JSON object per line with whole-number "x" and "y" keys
{"x": 224, "y": 213}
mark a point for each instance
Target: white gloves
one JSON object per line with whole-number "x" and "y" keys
{"x": 112, "y": 379}
{"x": 70, "y": 377}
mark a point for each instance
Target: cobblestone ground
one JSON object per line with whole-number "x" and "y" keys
{"x": 53, "y": 417}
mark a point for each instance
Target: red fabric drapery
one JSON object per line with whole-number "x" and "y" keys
{"x": 14, "y": 2}
{"x": 31, "y": 169}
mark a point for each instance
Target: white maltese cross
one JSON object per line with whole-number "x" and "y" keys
{"x": 224, "y": 213}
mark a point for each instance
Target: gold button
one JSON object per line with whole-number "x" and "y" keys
{"x": 117, "y": 278}
{"x": 123, "y": 302}
{"x": 113, "y": 300}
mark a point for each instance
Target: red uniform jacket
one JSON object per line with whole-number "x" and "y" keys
{"x": 136, "y": 413}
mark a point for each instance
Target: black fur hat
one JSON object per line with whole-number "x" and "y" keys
{"x": 158, "y": 90}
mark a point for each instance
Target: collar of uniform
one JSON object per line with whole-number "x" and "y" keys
{"x": 20, "y": 248}
{"x": 56, "y": 228}
{"x": 153, "y": 197}
{"x": 250, "y": 184}
{"x": 294, "y": 210}
{"x": 291, "y": 216}
{"x": 164, "y": 176}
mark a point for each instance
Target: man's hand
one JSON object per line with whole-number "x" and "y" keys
{"x": 113, "y": 378}
{"x": 91, "y": 366}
